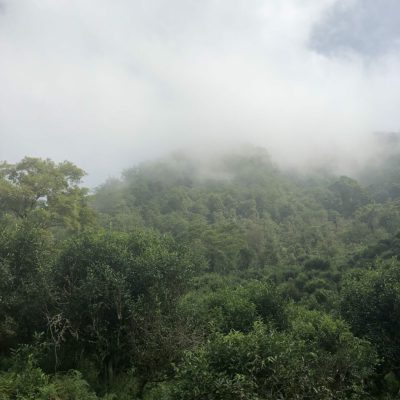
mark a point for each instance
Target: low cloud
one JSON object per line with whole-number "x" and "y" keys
{"x": 108, "y": 84}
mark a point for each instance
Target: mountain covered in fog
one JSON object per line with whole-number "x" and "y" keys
{"x": 193, "y": 278}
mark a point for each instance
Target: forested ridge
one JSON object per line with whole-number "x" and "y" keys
{"x": 222, "y": 279}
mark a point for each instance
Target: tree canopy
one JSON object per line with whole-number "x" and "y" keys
{"x": 52, "y": 192}
{"x": 180, "y": 280}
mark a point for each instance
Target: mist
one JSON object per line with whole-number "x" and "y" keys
{"x": 110, "y": 84}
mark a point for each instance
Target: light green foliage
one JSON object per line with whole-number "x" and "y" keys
{"x": 234, "y": 307}
{"x": 246, "y": 213}
{"x": 44, "y": 191}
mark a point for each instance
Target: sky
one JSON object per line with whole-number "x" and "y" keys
{"x": 107, "y": 84}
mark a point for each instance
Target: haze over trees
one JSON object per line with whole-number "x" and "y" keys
{"x": 231, "y": 280}
{"x": 222, "y": 271}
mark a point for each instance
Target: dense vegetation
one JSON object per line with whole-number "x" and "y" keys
{"x": 223, "y": 280}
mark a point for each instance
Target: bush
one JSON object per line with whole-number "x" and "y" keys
{"x": 316, "y": 358}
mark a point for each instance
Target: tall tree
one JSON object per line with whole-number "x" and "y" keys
{"x": 47, "y": 192}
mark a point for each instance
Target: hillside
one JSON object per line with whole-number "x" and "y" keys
{"x": 190, "y": 279}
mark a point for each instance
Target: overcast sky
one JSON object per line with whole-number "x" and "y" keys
{"x": 109, "y": 83}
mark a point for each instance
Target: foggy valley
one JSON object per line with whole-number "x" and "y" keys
{"x": 199, "y": 200}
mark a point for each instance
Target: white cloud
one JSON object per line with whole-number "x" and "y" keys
{"x": 109, "y": 83}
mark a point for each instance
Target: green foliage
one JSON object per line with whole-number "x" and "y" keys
{"x": 117, "y": 295}
{"x": 317, "y": 358}
{"x": 234, "y": 307}
{"x": 26, "y": 381}
{"x": 370, "y": 302}
{"x": 225, "y": 280}
{"x": 44, "y": 191}
{"x": 348, "y": 196}
{"x": 26, "y": 256}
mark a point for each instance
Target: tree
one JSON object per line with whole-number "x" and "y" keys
{"x": 26, "y": 258}
{"x": 370, "y": 302}
{"x": 117, "y": 293}
{"x": 348, "y": 196}
{"x": 44, "y": 191}
{"x": 318, "y": 358}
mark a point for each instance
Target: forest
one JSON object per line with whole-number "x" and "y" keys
{"x": 183, "y": 279}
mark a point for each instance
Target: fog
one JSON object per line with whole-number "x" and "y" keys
{"x": 108, "y": 84}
